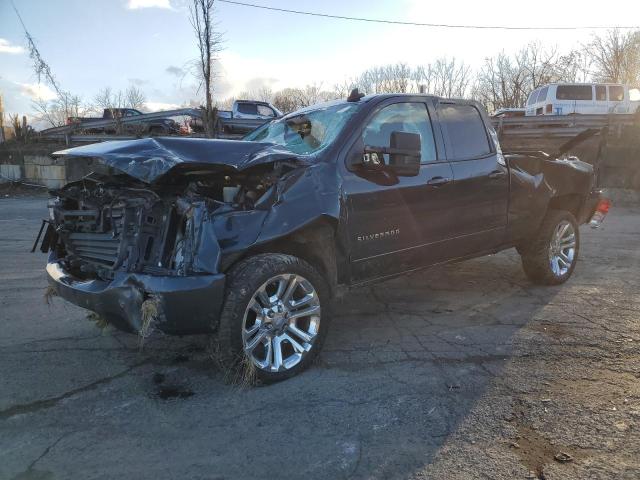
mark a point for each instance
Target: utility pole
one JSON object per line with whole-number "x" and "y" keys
{"x": 2, "y": 139}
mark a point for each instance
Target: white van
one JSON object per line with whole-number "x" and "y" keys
{"x": 582, "y": 98}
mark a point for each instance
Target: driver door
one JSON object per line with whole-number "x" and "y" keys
{"x": 397, "y": 223}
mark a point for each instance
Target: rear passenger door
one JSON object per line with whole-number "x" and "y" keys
{"x": 480, "y": 180}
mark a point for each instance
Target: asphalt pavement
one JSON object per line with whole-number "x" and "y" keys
{"x": 460, "y": 372}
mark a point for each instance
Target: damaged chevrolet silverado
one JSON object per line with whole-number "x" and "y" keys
{"x": 249, "y": 240}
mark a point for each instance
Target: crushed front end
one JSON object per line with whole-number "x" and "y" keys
{"x": 118, "y": 246}
{"x": 113, "y": 247}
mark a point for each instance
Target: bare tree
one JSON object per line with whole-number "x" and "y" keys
{"x": 2, "y": 139}
{"x": 65, "y": 104}
{"x": 506, "y": 81}
{"x": 264, "y": 94}
{"x": 616, "y": 56}
{"x": 209, "y": 44}
{"x": 342, "y": 89}
{"x": 226, "y": 104}
{"x": 56, "y": 112}
{"x": 445, "y": 77}
{"x": 395, "y": 78}
{"x": 574, "y": 66}
{"x": 288, "y": 99}
{"x": 107, "y": 98}
{"x": 134, "y": 98}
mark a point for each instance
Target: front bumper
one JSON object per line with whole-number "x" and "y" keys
{"x": 186, "y": 305}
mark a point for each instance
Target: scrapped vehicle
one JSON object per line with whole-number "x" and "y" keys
{"x": 245, "y": 116}
{"x": 249, "y": 240}
{"x": 583, "y": 99}
{"x": 156, "y": 126}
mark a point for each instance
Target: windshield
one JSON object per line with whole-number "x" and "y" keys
{"x": 305, "y": 132}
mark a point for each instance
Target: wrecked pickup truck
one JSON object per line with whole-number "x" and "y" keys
{"x": 249, "y": 240}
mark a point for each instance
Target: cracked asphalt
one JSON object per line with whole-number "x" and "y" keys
{"x": 460, "y": 372}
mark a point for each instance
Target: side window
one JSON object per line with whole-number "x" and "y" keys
{"x": 601, "y": 93}
{"x": 616, "y": 93}
{"x": 542, "y": 96}
{"x": 265, "y": 111}
{"x": 401, "y": 117}
{"x": 248, "y": 108}
{"x": 466, "y": 131}
{"x": 574, "y": 92}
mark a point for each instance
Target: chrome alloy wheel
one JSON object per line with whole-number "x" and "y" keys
{"x": 562, "y": 248}
{"x": 281, "y": 322}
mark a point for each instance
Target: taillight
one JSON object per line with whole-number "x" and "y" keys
{"x": 604, "y": 204}
{"x": 549, "y": 108}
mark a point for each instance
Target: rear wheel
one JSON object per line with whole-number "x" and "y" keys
{"x": 274, "y": 319}
{"x": 551, "y": 256}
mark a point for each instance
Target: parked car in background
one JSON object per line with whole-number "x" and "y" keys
{"x": 245, "y": 116}
{"x": 162, "y": 126}
{"x": 583, "y": 98}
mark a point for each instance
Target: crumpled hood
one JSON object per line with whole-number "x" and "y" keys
{"x": 148, "y": 159}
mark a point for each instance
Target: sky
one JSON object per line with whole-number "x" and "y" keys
{"x": 91, "y": 44}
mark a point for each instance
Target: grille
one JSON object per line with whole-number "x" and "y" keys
{"x": 97, "y": 248}
{"x": 102, "y": 248}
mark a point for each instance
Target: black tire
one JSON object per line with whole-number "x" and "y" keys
{"x": 536, "y": 254}
{"x": 243, "y": 282}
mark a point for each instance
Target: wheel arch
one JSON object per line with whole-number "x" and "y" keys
{"x": 570, "y": 202}
{"x": 314, "y": 242}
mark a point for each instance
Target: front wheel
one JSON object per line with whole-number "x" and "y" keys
{"x": 551, "y": 256}
{"x": 274, "y": 319}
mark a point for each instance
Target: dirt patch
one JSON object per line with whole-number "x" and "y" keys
{"x": 535, "y": 451}
{"x": 551, "y": 329}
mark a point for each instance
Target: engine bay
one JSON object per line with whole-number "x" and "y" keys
{"x": 108, "y": 224}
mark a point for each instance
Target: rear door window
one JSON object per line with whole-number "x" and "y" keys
{"x": 601, "y": 93}
{"x": 574, "y": 92}
{"x": 616, "y": 93}
{"x": 265, "y": 111}
{"x": 465, "y": 129}
{"x": 248, "y": 108}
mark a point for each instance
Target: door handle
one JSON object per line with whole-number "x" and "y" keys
{"x": 438, "y": 181}
{"x": 497, "y": 174}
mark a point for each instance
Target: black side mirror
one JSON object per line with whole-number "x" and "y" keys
{"x": 404, "y": 155}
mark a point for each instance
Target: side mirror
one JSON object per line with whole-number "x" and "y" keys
{"x": 404, "y": 155}
{"x": 405, "y": 160}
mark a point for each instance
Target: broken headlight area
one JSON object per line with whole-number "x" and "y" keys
{"x": 107, "y": 225}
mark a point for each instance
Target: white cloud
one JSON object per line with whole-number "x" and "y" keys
{"x": 137, "y": 4}
{"x": 160, "y": 106}
{"x": 36, "y": 91}
{"x": 6, "y": 47}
